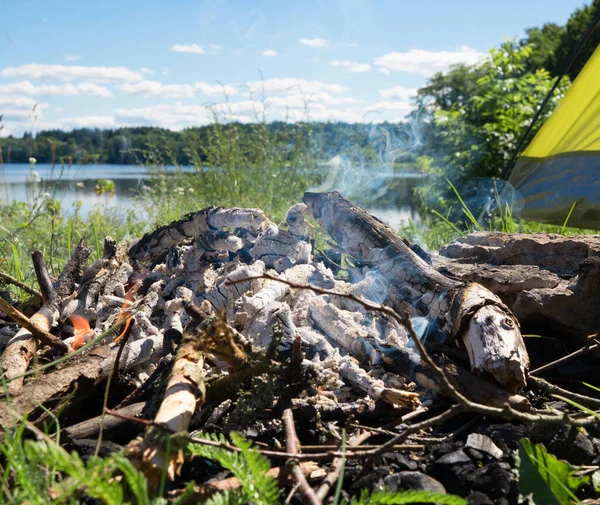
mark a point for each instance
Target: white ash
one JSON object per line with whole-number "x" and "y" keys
{"x": 294, "y": 218}
{"x": 223, "y": 295}
{"x": 274, "y": 244}
{"x": 236, "y": 218}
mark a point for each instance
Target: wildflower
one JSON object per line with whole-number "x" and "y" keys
{"x": 32, "y": 161}
{"x": 80, "y": 184}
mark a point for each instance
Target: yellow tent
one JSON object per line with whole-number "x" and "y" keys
{"x": 561, "y": 166}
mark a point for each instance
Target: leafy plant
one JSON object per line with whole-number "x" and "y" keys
{"x": 406, "y": 498}
{"x": 545, "y": 478}
{"x": 249, "y": 466}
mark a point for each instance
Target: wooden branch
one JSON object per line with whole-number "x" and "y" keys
{"x": 91, "y": 427}
{"x": 307, "y": 493}
{"x": 23, "y": 346}
{"x": 185, "y": 390}
{"x": 584, "y": 350}
{"x": 73, "y": 270}
{"x": 21, "y": 285}
{"x": 157, "y": 242}
{"x": 43, "y": 337}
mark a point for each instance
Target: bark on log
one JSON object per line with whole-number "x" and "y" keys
{"x": 457, "y": 307}
{"x": 157, "y": 242}
{"x": 184, "y": 391}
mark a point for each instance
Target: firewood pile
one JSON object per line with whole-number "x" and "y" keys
{"x": 325, "y": 327}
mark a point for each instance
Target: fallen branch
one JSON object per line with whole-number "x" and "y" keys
{"x": 588, "y": 347}
{"x": 185, "y": 390}
{"x": 7, "y": 279}
{"x": 23, "y": 346}
{"x": 43, "y": 337}
{"x": 307, "y": 493}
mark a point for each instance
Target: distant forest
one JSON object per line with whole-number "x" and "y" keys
{"x": 133, "y": 144}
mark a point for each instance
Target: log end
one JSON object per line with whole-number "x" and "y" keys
{"x": 495, "y": 346}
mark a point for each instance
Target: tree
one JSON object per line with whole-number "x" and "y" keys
{"x": 476, "y": 137}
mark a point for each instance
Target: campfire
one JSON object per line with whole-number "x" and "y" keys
{"x": 328, "y": 315}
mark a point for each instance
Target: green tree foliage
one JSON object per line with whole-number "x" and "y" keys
{"x": 575, "y": 29}
{"x": 476, "y": 136}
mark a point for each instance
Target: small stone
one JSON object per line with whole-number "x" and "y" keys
{"x": 477, "y": 498}
{"x": 484, "y": 444}
{"x": 453, "y": 458}
{"x": 400, "y": 461}
{"x": 475, "y": 454}
{"x": 412, "y": 480}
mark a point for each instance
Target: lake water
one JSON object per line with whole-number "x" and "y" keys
{"x": 77, "y": 183}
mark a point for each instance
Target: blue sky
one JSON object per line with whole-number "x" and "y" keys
{"x": 130, "y": 62}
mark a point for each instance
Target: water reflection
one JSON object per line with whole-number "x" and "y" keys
{"x": 78, "y": 184}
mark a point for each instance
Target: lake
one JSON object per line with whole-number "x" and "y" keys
{"x": 77, "y": 183}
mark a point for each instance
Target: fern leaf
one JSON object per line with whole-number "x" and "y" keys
{"x": 407, "y": 498}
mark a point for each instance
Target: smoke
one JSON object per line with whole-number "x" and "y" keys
{"x": 364, "y": 173}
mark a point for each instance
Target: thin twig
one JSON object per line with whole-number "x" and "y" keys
{"x": 548, "y": 388}
{"x": 584, "y": 350}
{"x": 8, "y": 279}
{"x": 265, "y": 452}
{"x": 307, "y": 493}
{"x": 336, "y": 466}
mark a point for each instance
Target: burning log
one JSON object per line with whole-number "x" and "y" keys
{"x": 495, "y": 347}
{"x": 156, "y": 243}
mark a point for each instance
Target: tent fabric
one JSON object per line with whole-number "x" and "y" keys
{"x": 561, "y": 166}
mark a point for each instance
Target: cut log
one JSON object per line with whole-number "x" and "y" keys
{"x": 453, "y": 305}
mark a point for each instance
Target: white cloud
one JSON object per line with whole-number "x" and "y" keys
{"x": 71, "y": 57}
{"x": 269, "y": 52}
{"x": 155, "y": 88}
{"x": 174, "y": 116}
{"x": 402, "y": 108}
{"x": 59, "y": 109}
{"x": 352, "y": 44}
{"x": 88, "y": 122}
{"x": 384, "y": 71}
{"x": 314, "y": 42}
{"x": 215, "y": 46}
{"x": 188, "y": 48}
{"x": 399, "y": 92}
{"x": 427, "y": 63}
{"x": 352, "y": 66}
{"x": 165, "y": 71}
{"x": 146, "y": 71}
{"x": 82, "y": 88}
{"x": 70, "y": 72}
{"x": 286, "y": 85}
{"x": 20, "y": 101}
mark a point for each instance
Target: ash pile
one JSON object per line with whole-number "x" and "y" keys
{"x": 326, "y": 329}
